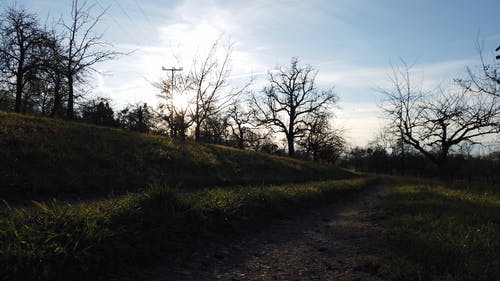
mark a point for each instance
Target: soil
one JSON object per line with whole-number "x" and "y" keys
{"x": 343, "y": 241}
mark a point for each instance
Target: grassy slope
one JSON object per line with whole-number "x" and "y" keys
{"x": 64, "y": 242}
{"x": 49, "y": 157}
{"x": 445, "y": 231}
{"x": 44, "y": 157}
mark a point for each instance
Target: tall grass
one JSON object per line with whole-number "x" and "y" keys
{"x": 57, "y": 242}
{"x": 446, "y": 231}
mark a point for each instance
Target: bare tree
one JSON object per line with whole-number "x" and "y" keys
{"x": 54, "y": 69}
{"x": 84, "y": 48}
{"x": 486, "y": 79}
{"x": 435, "y": 121}
{"x": 20, "y": 36}
{"x": 206, "y": 85}
{"x": 243, "y": 132}
{"x": 323, "y": 142}
{"x": 177, "y": 117}
{"x": 215, "y": 129}
{"x": 289, "y": 101}
{"x": 208, "y": 78}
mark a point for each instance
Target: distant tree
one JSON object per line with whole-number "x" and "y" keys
{"x": 83, "y": 48}
{"x": 242, "y": 131}
{"x": 20, "y": 39}
{"x": 6, "y": 101}
{"x": 98, "y": 111}
{"x": 176, "y": 116}
{"x": 138, "y": 117}
{"x": 269, "y": 146}
{"x": 289, "y": 101}
{"x": 322, "y": 142}
{"x": 356, "y": 157}
{"x": 434, "y": 121}
{"x": 214, "y": 129}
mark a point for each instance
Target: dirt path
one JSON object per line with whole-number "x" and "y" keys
{"x": 339, "y": 242}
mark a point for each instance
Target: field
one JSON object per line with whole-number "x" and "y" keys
{"x": 444, "y": 231}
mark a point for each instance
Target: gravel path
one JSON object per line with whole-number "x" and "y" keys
{"x": 339, "y": 242}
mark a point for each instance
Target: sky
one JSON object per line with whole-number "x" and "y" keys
{"x": 351, "y": 43}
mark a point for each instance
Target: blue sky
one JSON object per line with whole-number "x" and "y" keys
{"x": 350, "y": 42}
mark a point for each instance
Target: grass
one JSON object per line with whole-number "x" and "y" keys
{"x": 44, "y": 158}
{"x": 59, "y": 241}
{"x": 445, "y": 231}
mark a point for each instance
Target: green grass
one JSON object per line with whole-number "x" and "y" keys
{"x": 445, "y": 231}
{"x": 57, "y": 242}
{"x": 43, "y": 158}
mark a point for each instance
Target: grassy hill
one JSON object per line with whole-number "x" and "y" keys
{"x": 48, "y": 157}
{"x": 53, "y": 240}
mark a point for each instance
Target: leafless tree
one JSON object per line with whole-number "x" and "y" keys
{"x": 208, "y": 78}
{"x": 243, "y": 131}
{"x": 206, "y": 84}
{"x": 434, "y": 121}
{"x": 289, "y": 101}
{"x": 177, "y": 118}
{"x": 84, "y": 48}
{"x": 321, "y": 141}
{"x": 215, "y": 129}
{"x": 486, "y": 79}
{"x": 20, "y": 36}
{"x": 54, "y": 69}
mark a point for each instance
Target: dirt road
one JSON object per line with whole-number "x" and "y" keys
{"x": 339, "y": 242}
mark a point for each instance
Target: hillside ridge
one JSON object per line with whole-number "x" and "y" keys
{"x": 58, "y": 158}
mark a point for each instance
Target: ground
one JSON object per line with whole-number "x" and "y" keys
{"x": 337, "y": 242}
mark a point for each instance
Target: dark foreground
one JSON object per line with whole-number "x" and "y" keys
{"x": 342, "y": 241}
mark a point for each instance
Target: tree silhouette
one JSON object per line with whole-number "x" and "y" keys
{"x": 434, "y": 121}
{"x": 21, "y": 37}
{"x": 83, "y": 48}
{"x": 289, "y": 101}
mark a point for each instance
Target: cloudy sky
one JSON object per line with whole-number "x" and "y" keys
{"x": 352, "y": 43}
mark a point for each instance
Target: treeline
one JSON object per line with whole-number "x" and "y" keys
{"x": 44, "y": 67}
{"x": 409, "y": 162}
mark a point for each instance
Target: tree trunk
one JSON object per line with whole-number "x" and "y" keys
{"x": 291, "y": 147}
{"x": 57, "y": 100}
{"x": 197, "y": 133}
{"x": 19, "y": 93}
{"x": 241, "y": 141}
{"x": 70, "y": 110}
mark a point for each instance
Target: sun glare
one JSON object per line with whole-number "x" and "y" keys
{"x": 181, "y": 101}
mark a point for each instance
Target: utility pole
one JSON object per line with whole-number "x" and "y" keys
{"x": 172, "y": 69}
